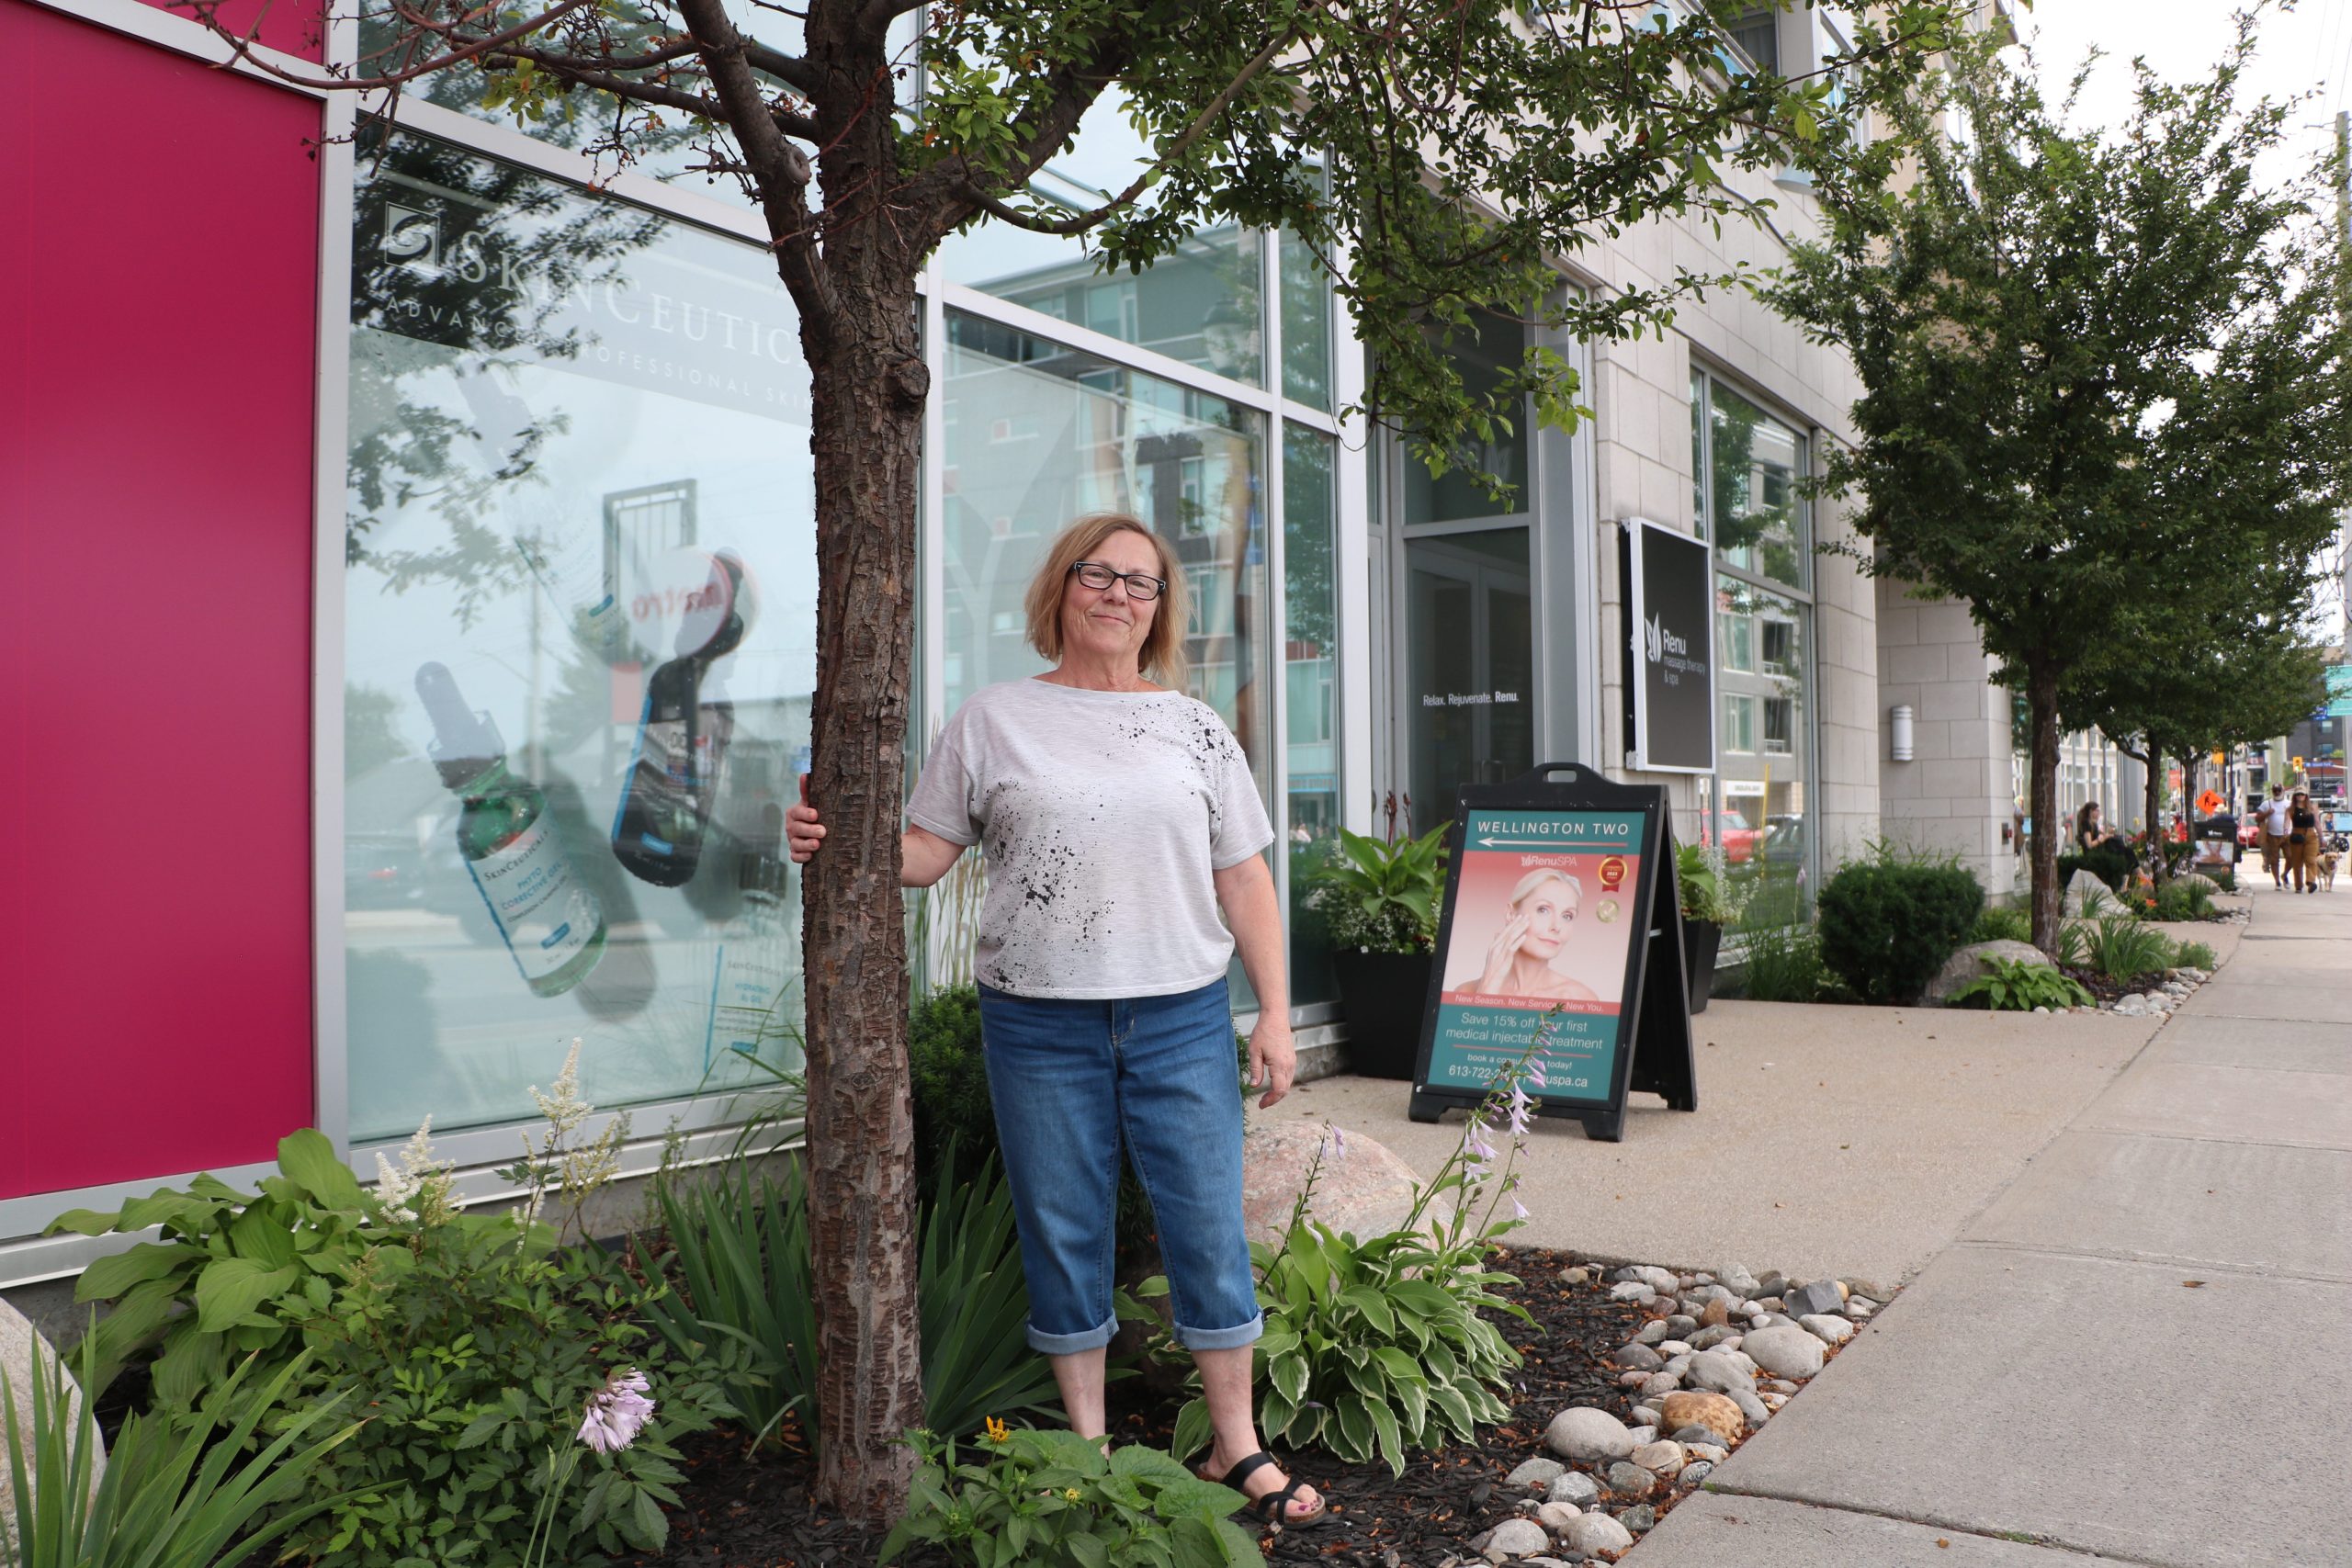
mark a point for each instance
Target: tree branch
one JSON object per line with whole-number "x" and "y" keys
{"x": 780, "y": 169}
{"x": 1078, "y": 222}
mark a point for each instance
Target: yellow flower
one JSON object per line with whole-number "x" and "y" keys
{"x": 1070, "y": 1493}
{"x": 995, "y": 1432}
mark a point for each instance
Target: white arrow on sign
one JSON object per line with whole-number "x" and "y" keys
{"x": 1521, "y": 843}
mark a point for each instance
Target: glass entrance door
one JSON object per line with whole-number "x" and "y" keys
{"x": 1467, "y": 701}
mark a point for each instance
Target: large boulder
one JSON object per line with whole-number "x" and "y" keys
{"x": 21, "y": 1342}
{"x": 1971, "y": 961}
{"x": 1362, "y": 1188}
{"x": 2085, "y": 891}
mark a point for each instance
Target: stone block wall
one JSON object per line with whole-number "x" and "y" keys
{"x": 1955, "y": 795}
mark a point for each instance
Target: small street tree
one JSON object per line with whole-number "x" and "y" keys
{"x": 1441, "y": 157}
{"x": 2088, "y": 367}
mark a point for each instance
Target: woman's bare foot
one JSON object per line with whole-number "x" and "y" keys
{"x": 1264, "y": 1480}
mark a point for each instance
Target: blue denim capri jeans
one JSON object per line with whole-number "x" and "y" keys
{"x": 1071, "y": 1079}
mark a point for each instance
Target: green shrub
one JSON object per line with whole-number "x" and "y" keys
{"x": 1782, "y": 963}
{"x": 2112, "y": 862}
{"x": 1057, "y": 1500}
{"x": 1998, "y": 922}
{"x": 2184, "y": 899}
{"x": 743, "y": 1262}
{"x": 2121, "y": 948}
{"x": 1888, "y": 925}
{"x": 2014, "y": 985}
{"x": 2194, "y": 956}
{"x": 471, "y": 1340}
{"x": 169, "y": 1498}
{"x": 1383, "y": 897}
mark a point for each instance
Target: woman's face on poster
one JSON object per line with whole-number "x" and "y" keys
{"x": 1548, "y": 911}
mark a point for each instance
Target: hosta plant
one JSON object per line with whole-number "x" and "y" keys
{"x": 2013, "y": 986}
{"x": 1375, "y": 1347}
{"x": 1044, "y": 1499}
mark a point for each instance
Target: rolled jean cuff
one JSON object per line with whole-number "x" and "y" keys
{"x": 1222, "y": 1339}
{"x": 1085, "y": 1340}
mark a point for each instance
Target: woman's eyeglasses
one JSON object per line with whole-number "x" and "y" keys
{"x": 1141, "y": 586}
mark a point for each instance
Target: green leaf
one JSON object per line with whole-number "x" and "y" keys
{"x": 111, "y": 1277}
{"x": 230, "y": 1288}
{"x": 309, "y": 1160}
{"x": 1288, "y": 1374}
{"x": 261, "y": 1234}
{"x": 1367, "y": 1300}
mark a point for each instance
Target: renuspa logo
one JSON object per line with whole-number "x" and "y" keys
{"x": 1657, "y": 642}
{"x": 413, "y": 236}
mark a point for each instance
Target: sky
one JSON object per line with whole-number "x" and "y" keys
{"x": 2305, "y": 52}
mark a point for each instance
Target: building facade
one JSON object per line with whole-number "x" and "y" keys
{"x": 473, "y": 460}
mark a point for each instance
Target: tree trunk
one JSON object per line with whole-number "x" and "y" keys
{"x": 2041, "y": 709}
{"x": 2155, "y": 804}
{"x": 869, "y": 384}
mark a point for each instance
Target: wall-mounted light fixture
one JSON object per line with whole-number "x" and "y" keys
{"x": 1900, "y": 717}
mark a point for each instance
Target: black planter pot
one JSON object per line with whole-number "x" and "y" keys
{"x": 1384, "y": 995}
{"x": 1701, "y": 939}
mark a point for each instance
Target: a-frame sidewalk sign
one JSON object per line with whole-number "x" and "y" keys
{"x": 1560, "y": 905}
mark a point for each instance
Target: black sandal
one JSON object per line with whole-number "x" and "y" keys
{"x": 1273, "y": 1508}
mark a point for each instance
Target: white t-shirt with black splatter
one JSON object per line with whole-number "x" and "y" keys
{"x": 1103, "y": 815}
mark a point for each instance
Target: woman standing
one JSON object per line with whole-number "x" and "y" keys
{"x": 2302, "y": 842}
{"x": 1117, "y": 816}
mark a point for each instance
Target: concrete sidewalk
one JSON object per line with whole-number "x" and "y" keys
{"x": 2140, "y": 1351}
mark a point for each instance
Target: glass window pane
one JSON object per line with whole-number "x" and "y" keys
{"x": 1038, "y": 434}
{"x": 1311, "y": 674}
{"x": 1762, "y": 814}
{"x": 1307, "y": 324}
{"x": 1760, "y": 521}
{"x": 1470, "y": 705}
{"x": 1203, "y": 305}
{"x": 1705, "y": 522}
{"x": 580, "y": 612}
{"x": 1486, "y": 354}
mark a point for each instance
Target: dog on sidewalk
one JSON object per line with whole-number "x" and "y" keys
{"x": 2327, "y": 869}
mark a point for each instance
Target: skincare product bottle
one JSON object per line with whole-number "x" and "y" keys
{"x": 748, "y": 1010}
{"x": 672, "y": 782}
{"x": 552, "y": 923}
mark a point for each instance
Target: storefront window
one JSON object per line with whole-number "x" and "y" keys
{"x": 1762, "y": 811}
{"x": 1311, "y": 672}
{"x": 579, "y": 644}
{"x": 1485, "y": 354}
{"x": 1757, "y": 517}
{"x": 1307, "y": 324}
{"x": 1203, "y": 305}
{"x": 1038, "y": 434}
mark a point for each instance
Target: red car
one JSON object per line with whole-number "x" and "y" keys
{"x": 1739, "y": 839}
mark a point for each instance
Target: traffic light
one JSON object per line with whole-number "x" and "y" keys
{"x": 2295, "y": 763}
{"x": 2221, "y": 759}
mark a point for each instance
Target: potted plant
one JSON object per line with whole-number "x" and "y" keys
{"x": 1379, "y": 903}
{"x": 1708, "y": 904}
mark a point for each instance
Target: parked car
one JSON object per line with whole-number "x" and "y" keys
{"x": 382, "y": 873}
{"x": 1739, "y": 839}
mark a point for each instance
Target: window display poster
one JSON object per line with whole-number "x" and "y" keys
{"x": 1543, "y": 919}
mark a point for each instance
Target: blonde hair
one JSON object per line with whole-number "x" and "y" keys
{"x": 1163, "y": 645}
{"x": 1536, "y": 879}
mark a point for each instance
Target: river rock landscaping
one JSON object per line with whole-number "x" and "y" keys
{"x": 1637, "y": 1380}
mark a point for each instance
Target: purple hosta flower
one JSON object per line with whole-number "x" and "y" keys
{"x": 617, "y": 1411}
{"x": 1339, "y": 1143}
{"x": 1535, "y": 1069}
{"x": 1482, "y": 1153}
{"x": 1519, "y": 1108}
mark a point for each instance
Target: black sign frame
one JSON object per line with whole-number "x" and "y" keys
{"x": 1652, "y": 1046}
{"x": 1661, "y": 564}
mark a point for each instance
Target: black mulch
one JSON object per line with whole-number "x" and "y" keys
{"x": 754, "y": 1513}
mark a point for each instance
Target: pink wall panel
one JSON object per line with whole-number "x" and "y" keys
{"x": 159, "y": 300}
{"x": 295, "y": 27}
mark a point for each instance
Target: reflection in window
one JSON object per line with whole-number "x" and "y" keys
{"x": 1494, "y": 348}
{"x": 1764, "y": 763}
{"x": 1753, "y": 512}
{"x": 1307, "y": 324}
{"x": 1202, "y": 305}
{"x": 578, "y": 618}
{"x": 1310, "y": 673}
{"x": 1102, "y": 438}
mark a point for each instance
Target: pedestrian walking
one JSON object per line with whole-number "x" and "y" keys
{"x": 2274, "y": 814}
{"x": 1117, "y": 814}
{"x": 2302, "y": 842}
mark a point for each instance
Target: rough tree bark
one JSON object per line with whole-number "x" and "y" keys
{"x": 2041, "y": 709}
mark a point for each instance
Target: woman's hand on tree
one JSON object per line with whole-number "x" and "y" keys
{"x": 803, "y": 834}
